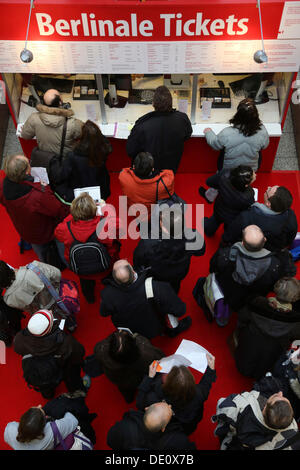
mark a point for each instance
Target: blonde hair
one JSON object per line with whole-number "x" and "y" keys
{"x": 16, "y": 167}
{"x": 287, "y": 289}
{"x": 83, "y": 207}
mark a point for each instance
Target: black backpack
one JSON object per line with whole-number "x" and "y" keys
{"x": 90, "y": 257}
{"x": 41, "y": 372}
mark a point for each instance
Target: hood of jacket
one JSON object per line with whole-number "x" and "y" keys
{"x": 24, "y": 288}
{"x": 154, "y": 177}
{"x": 26, "y": 343}
{"x": 13, "y": 191}
{"x": 53, "y": 117}
{"x": 231, "y": 196}
{"x": 249, "y": 266}
{"x": 273, "y": 322}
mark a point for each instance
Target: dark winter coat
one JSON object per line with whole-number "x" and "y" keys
{"x": 150, "y": 391}
{"x": 59, "y": 406}
{"x": 169, "y": 260}
{"x": 230, "y": 202}
{"x": 130, "y": 433}
{"x": 270, "y": 330}
{"x": 279, "y": 229}
{"x": 163, "y": 135}
{"x": 77, "y": 173}
{"x": 33, "y": 209}
{"x": 127, "y": 376}
{"x": 242, "y": 274}
{"x": 129, "y": 307}
{"x": 57, "y": 342}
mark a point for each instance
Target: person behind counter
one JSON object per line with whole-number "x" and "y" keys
{"x": 240, "y": 144}
{"x": 47, "y": 124}
{"x": 161, "y": 132}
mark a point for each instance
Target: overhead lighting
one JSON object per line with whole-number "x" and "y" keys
{"x": 260, "y": 56}
{"x": 26, "y": 55}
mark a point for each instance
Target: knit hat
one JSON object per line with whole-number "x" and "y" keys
{"x": 41, "y": 322}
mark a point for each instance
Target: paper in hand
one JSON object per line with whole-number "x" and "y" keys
{"x": 195, "y": 353}
{"x": 166, "y": 363}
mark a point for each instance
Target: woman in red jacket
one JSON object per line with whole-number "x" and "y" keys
{"x": 80, "y": 225}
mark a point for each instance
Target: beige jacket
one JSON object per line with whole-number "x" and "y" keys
{"x": 28, "y": 293}
{"x": 47, "y": 126}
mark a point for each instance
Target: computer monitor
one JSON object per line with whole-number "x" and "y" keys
{"x": 122, "y": 82}
{"x": 252, "y": 86}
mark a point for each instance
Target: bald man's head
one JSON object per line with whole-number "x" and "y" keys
{"x": 253, "y": 238}
{"x": 52, "y": 98}
{"x": 123, "y": 273}
{"x": 157, "y": 416}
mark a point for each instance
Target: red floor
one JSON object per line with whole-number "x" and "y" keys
{"x": 103, "y": 397}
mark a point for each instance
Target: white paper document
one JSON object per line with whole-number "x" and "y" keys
{"x": 255, "y": 194}
{"x": 39, "y": 173}
{"x": 183, "y": 105}
{"x": 123, "y": 130}
{"x": 194, "y": 353}
{"x": 166, "y": 363}
{"x": 206, "y": 110}
{"x": 94, "y": 192}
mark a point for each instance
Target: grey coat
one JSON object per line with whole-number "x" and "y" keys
{"x": 239, "y": 149}
{"x": 27, "y": 292}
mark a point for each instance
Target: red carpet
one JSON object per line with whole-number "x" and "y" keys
{"x": 103, "y": 397}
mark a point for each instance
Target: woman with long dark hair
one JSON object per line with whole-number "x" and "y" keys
{"x": 86, "y": 165}
{"x": 34, "y": 432}
{"x": 239, "y": 144}
{"x": 179, "y": 389}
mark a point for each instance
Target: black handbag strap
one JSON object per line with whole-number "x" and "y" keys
{"x": 63, "y": 138}
{"x": 69, "y": 228}
{"x": 160, "y": 179}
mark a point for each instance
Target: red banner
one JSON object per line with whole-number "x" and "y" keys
{"x": 139, "y": 22}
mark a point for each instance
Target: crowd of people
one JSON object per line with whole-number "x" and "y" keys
{"x": 252, "y": 274}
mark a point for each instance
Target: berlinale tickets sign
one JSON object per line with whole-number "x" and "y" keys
{"x": 132, "y": 21}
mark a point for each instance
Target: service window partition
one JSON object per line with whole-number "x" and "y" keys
{"x": 116, "y": 101}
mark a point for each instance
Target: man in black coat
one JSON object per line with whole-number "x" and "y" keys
{"x": 169, "y": 255}
{"x": 248, "y": 268}
{"x": 141, "y": 304}
{"x": 235, "y": 195}
{"x": 161, "y": 132}
{"x": 154, "y": 430}
{"x": 275, "y": 217}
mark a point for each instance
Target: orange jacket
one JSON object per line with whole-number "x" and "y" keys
{"x": 143, "y": 191}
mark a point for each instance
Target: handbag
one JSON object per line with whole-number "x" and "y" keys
{"x": 172, "y": 199}
{"x": 58, "y": 300}
{"x": 214, "y": 300}
{"x": 74, "y": 441}
{"x": 42, "y": 158}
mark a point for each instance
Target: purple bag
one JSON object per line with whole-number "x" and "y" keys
{"x": 69, "y": 293}
{"x": 222, "y": 312}
{"x": 74, "y": 441}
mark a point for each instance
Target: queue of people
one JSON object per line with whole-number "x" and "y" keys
{"x": 143, "y": 299}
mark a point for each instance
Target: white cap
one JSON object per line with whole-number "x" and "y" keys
{"x": 41, "y": 322}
